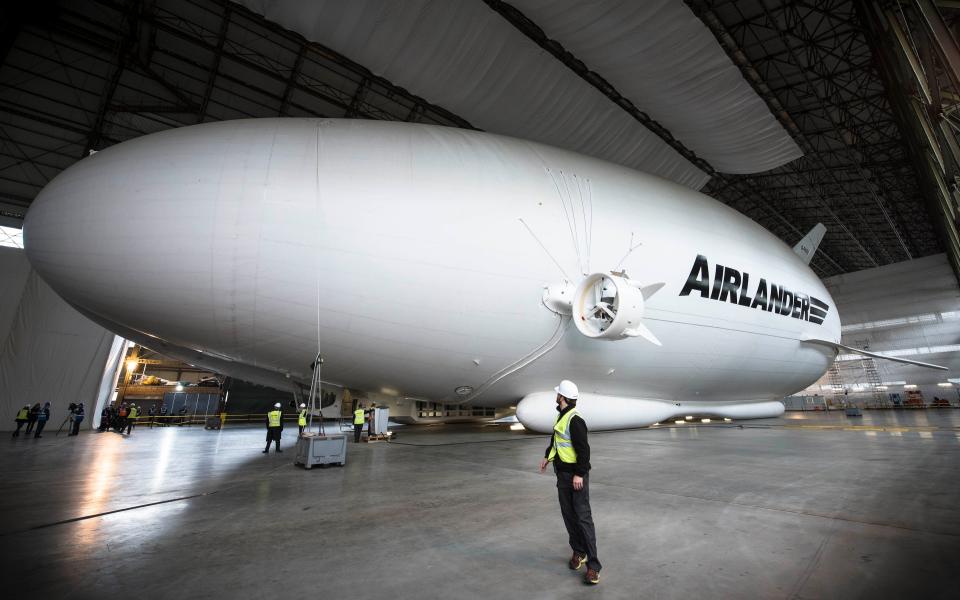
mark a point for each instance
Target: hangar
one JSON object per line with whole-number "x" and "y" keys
{"x": 212, "y": 208}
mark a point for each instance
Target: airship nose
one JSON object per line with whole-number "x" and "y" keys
{"x": 119, "y": 233}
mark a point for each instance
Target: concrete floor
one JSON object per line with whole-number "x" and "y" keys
{"x": 807, "y": 506}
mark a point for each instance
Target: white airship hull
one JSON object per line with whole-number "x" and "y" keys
{"x": 416, "y": 257}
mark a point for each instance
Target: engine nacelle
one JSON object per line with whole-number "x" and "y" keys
{"x": 609, "y": 307}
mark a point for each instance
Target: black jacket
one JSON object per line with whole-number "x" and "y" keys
{"x": 578, "y": 437}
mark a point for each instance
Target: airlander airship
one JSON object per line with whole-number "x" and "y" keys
{"x": 444, "y": 264}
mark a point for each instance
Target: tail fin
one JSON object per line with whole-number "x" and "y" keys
{"x": 807, "y": 247}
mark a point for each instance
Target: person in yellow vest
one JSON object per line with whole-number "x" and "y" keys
{"x": 23, "y": 416}
{"x": 569, "y": 452}
{"x": 357, "y": 423}
{"x": 132, "y": 413}
{"x": 274, "y": 427}
{"x": 302, "y": 418}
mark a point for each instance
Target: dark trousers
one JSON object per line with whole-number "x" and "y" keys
{"x": 575, "y": 508}
{"x": 76, "y": 427}
{"x": 30, "y": 424}
{"x": 129, "y": 426}
{"x": 356, "y": 432}
{"x": 302, "y": 427}
{"x": 40, "y": 426}
{"x": 19, "y": 425}
{"x": 273, "y": 435}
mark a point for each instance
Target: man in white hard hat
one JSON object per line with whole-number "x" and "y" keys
{"x": 274, "y": 427}
{"x": 302, "y": 417}
{"x": 569, "y": 452}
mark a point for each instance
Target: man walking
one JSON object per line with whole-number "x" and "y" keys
{"x": 274, "y": 427}
{"x": 569, "y": 452}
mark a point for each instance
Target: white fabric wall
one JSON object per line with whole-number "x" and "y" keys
{"x": 48, "y": 351}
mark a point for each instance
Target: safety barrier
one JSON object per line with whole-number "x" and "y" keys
{"x": 201, "y": 419}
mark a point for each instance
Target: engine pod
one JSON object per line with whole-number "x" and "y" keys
{"x": 607, "y": 307}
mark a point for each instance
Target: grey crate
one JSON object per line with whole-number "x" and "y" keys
{"x": 321, "y": 450}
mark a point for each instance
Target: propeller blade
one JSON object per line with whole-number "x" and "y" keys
{"x": 603, "y": 306}
{"x": 640, "y": 330}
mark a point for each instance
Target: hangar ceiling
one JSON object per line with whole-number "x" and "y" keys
{"x": 837, "y": 77}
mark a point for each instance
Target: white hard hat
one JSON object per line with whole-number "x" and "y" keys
{"x": 567, "y": 389}
{"x": 302, "y": 405}
{"x": 277, "y": 405}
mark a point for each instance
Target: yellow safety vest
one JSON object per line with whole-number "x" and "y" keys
{"x": 358, "y": 417}
{"x": 273, "y": 418}
{"x": 302, "y": 420}
{"x": 134, "y": 413}
{"x": 22, "y": 415}
{"x": 562, "y": 444}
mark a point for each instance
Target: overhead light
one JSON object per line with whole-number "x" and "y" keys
{"x": 179, "y": 387}
{"x": 654, "y": 424}
{"x": 132, "y": 365}
{"x": 689, "y": 417}
{"x": 704, "y": 420}
{"x": 517, "y": 427}
{"x": 727, "y": 419}
{"x": 881, "y": 388}
{"x": 679, "y": 422}
{"x": 910, "y": 386}
{"x": 945, "y": 384}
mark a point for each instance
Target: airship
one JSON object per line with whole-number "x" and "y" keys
{"x": 437, "y": 263}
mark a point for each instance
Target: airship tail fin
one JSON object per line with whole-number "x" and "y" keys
{"x": 839, "y": 347}
{"x": 807, "y": 247}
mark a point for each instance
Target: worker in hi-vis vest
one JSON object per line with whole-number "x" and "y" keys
{"x": 132, "y": 415}
{"x": 569, "y": 452}
{"x": 302, "y": 418}
{"x": 274, "y": 427}
{"x": 22, "y": 417}
{"x": 357, "y": 423}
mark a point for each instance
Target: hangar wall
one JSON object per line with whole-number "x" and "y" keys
{"x": 48, "y": 351}
{"x": 911, "y": 308}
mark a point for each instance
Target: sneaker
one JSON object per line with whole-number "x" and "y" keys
{"x": 591, "y": 577}
{"x": 265, "y": 451}
{"x": 577, "y": 560}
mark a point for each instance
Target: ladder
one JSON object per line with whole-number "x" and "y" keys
{"x": 837, "y": 398}
{"x": 873, "y": 380}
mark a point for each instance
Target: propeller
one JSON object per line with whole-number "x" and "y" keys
{"x": 611, "y": 306}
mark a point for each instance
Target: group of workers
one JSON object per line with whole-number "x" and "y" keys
{"x": 568, "y": 451}
{"x": 363, "y": 415}
{"x": 121, "y": 419}
{"x": 35, "y": 418}
{"x": 274, "y": 423}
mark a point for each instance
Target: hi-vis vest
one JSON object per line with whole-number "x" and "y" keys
{"x": 358, "y": 417}
{"x": 134, "y": 413}
{"x": 562, "y": 445}
{"x": 22, "y": 415}
{"x": 302, "y": 420}
{"x": 273, "y": 418}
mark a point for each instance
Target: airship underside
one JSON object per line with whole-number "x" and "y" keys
{"x": 445, "y": 264}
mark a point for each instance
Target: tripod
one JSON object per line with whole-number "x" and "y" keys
{"x": 61, "y": 426}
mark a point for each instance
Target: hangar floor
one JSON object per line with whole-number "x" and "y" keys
{"x": 808, "y": 506}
